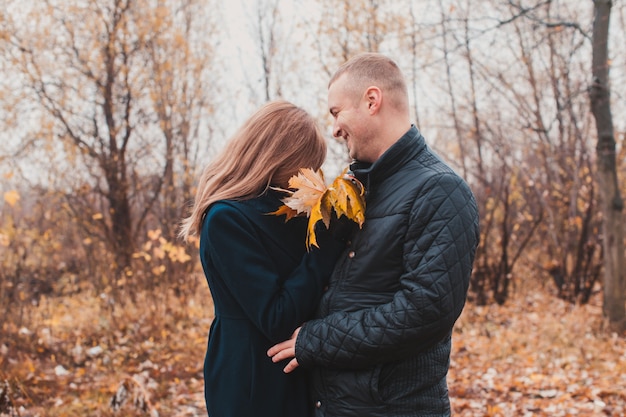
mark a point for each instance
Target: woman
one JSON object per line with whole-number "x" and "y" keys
{"x": 263, "y": 281}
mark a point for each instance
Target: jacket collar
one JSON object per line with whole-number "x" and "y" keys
{"x": 404, "y": 150}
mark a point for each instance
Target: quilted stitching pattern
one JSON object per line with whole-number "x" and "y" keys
{"x": 398, "y": 296}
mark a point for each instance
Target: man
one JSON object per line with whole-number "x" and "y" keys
{"x": 380, "y": 345}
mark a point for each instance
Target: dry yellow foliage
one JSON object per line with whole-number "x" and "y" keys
{"x": 311, "y": 197}
{"x": 11, "y": 197}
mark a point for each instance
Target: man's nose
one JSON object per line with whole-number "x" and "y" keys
{"x": 336, "y": 130}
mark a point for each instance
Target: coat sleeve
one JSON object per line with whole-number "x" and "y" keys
{"x": 439, "y": 249}
{"x": 275, "y": 305}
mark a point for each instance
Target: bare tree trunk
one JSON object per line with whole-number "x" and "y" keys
{"x": 612, "y": 203}
{"x": 458, "y": 130}
{"x": 414, "y": 55}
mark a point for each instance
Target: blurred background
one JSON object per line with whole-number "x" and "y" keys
{"x": 109, "y": 110}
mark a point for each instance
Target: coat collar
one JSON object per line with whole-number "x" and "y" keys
{"x": 269, "y": 201}
{"x": 404, "y": 150}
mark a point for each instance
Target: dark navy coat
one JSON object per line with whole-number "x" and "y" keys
{"x": 264, "y": 285}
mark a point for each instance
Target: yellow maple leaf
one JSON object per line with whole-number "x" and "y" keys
{"x": 287, "y": 211}
{"x": 309, "y": 186}
{"x": 345, "y": 197}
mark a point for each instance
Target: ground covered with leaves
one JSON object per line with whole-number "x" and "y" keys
{"x": 85, "y": 356}
{"x": 537, "y": 356}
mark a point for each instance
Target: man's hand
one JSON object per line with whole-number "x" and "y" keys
{"x": 285, "y": 350}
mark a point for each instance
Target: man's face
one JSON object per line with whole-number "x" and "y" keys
{"x": 350, "y": 115}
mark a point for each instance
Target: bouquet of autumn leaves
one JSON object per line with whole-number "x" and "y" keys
{"x": 308, "y": 195}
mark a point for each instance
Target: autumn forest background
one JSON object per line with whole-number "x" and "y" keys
{"x": 109, "y": 109}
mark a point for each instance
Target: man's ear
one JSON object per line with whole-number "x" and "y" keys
{"x": 374, "y": 97}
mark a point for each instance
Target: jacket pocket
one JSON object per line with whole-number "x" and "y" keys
{"x": 375, "y": 385}
{"x": 398, "y": 379}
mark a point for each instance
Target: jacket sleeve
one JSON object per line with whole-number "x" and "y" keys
{"x": 439, "y": 249}
{"x": 275, "y": 305}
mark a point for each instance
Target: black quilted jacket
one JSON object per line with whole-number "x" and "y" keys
{"x": 381, "y": 343}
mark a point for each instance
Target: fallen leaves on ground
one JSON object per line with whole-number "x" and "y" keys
{"x": 537, "y": 356}
{"x": 534, "y": 356}
{"x": 84, "y": 359}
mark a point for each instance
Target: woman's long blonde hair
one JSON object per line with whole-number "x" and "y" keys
{"x": 270, "y": 147}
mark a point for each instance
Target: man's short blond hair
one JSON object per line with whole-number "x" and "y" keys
{"x": 373, "y": 69}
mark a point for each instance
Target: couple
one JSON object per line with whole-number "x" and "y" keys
{"x": 360, "y": 326}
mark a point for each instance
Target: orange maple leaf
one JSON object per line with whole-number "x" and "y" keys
{"x": 314, "y": 199}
